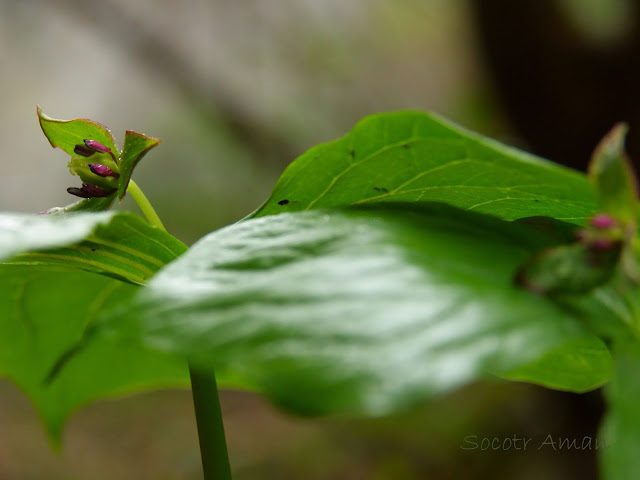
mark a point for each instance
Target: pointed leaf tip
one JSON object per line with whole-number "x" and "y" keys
{"x": 612, "y": 174}
{"x": 136, "y": 146}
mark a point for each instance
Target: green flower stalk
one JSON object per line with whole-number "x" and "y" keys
{"x": 106, "y": 175}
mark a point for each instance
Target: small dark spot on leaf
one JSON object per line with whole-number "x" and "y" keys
{"x": 93, "y": 249}
{"x": 283, "y": 202}
{"x": 381, "y": 189}
{"x": 352, "y": 153}
{"x": 536, "y": 200}
{"x": 405, "y": 145}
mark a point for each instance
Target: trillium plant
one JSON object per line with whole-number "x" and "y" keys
{"x": 393, "y": 265}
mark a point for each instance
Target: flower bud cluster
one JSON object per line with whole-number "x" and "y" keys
{"x": 603, "y": 233}
{"x": 97, "y": 167}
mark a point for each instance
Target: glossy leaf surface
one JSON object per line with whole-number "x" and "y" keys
{"x": 117, "y": 244}
{"x": 359, "y": 311}
{"x": 23, "y": 232}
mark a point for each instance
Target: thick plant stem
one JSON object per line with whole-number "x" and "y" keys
{"x": 213, "y": 444}
{"x": 145, "y": 205}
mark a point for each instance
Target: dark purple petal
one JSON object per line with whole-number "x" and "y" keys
{"x": 83, "y": 150}
{"x": 96, "y": 146}
{"x": 78, "y": 192}
{"x": 90, "y": 191}
{"x": 95, "y": 191}
{"x": 103, "y": 170}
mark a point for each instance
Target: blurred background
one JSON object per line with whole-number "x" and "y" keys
{"x": 237, "y": 90}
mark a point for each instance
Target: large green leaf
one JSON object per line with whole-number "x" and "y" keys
{"x": 418, "y": 157}
{"x": 119, "y": 244}
{"x": 44, "y": 312}
{"x": 48, "y": 302}
{"x": 361, "y": 310}
{"x": 620, "y": 433}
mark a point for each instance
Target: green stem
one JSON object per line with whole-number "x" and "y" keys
{"x": 213, "y": 445}
{"x": 145, "y": 205}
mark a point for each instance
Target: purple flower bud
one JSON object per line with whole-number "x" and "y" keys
{"x": 96, "y": 191}
{"x": 90, "y": 191}
{"x": 103, "y": 170}
{"x": 83, "y": 150}
{"x": 96, "y": 146}
{"x": 603, "y": 221}
{"x": 78, "y": 192}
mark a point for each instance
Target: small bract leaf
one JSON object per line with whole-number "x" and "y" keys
{"x": 612, "y": 174}
{"x": 67, "y": 134}
{"x": 136, "y": 146}
{"x": 574, "y": 268}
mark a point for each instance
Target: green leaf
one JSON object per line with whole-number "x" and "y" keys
{"x": 575, "y": 268}
{"x": 578, "y": 366}
{"x": 136, "y": 146}
{"x": 418, "y": 157}
{"x": 48, "y": 302}
{"x": 44, "y": 312}
{"x": 612, "y": 173}
{"x": 66, "y": 134}
{"x": 610, "y": 310}
{"x": 621, "y": 428}
{"x": 22, "y": 232}
{"x": 360, "y": 311}
{"x": 98, "y": 204}
{"x": 122, "y": 244}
